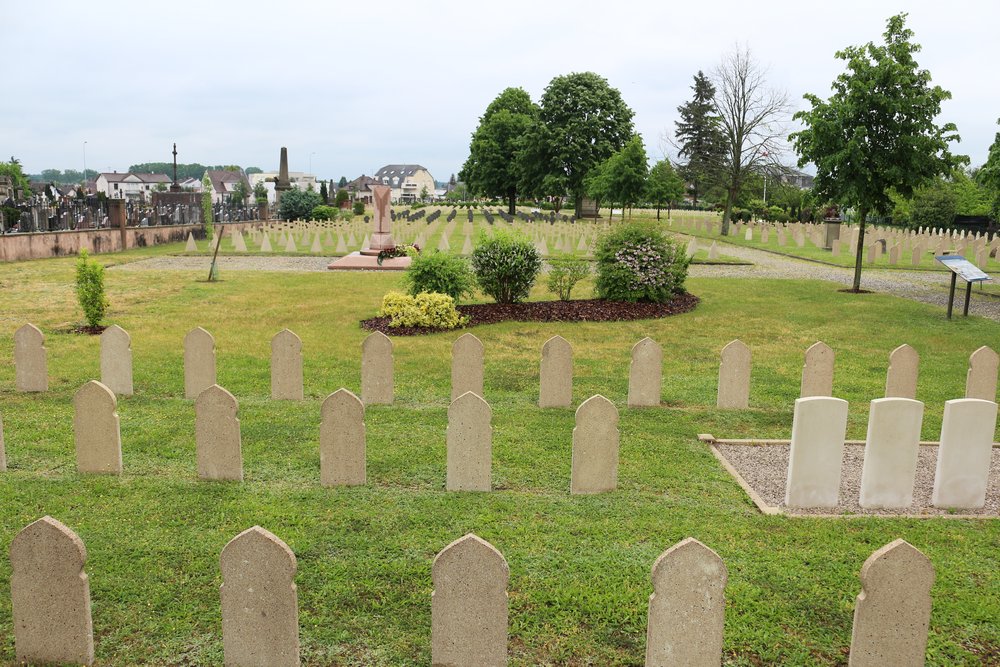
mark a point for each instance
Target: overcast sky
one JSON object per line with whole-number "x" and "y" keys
{"x": 355, "y": 86}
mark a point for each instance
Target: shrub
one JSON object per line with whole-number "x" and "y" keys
{"x": 346, "y": 214}
{"x": 90, "y": 289}
{"x": 442, "y": 273}
{"x": 426, "y": 309}
{"x": 636, "y": 262}
{"x": 341, "y": 198}
{"x": 506, "y": 265}
{"x": 564, "y": 274}
{"x": 323, "y": 212}
{"x": 359, "y": 207}
{"x": 298, "y": 204}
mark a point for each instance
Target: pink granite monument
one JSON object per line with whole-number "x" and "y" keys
{"x": 381, "y": 239}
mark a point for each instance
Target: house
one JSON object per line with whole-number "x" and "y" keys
{"x": 223, "y": 184}
{"x": 794, "y": 177}
{"x": 360, "y": 188}
{"x": 407, "y": 181}
{"x": 299, "y": 179}
{"x": 130, "y": 186}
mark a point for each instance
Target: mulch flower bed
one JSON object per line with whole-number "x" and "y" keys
{"x": 584, "y": 310}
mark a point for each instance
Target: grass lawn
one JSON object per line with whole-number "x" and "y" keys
{"x": 579, "y": 566}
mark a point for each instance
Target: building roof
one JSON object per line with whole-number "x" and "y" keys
{"x": 224, "y": 180}
{"x": 399, "y": 170}
{"x": 117, "y": 177}
{"x": 361, "y": 184}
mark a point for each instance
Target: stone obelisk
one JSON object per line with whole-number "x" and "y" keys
{"x": 282, "y": 184}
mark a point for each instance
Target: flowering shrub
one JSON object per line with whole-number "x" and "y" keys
{"x": 400, "y": 250}
{"x": 427, "y": 309}
{"x": 637, "y": 262}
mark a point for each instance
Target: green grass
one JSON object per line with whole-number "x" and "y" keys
{"x": 579, "y": 565}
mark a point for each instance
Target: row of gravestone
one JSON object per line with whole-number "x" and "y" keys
{"x": 51, "y": 604}
{"x": 892, "y": 447}
{"x": 817, "y": 374}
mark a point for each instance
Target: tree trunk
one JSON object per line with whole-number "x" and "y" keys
{"x": 578, "y": 205}
{"x": 657, "y": 212}
{"x": 730, "y": 198}
{"x": 511, "y": 200}
{"x": 669, "y": 209}
{"x": 859, "y": 255}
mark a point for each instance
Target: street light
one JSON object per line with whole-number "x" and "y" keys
{"x": 85, "y": 167}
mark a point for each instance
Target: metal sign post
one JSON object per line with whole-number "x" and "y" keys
{"x": 969, "y": 272}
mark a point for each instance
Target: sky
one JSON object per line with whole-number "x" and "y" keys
{"x": 350, "y": 87}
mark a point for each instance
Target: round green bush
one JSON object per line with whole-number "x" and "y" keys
{"x": 442, "y": 273}
{"x": 323, "y": 212}
{"x": 506, "y": 265}
{"x": 359, "y": 207}
{"x": 637, "y": 262}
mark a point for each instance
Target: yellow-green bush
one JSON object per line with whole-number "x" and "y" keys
{"x": 427, "y": 309}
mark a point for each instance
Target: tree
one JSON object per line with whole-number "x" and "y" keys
{"x": 342, "y": 183}
{"x": 934, "y": 205}
{"x": 260, "y": 193}
{"x": 491, "y": 168}
{"x": 582, "y": 122}
{"x": 751, "y": 118}
{"x": 298, "y": 204}
{"x": 699, "y": 138}
{"x": 12, "y": 170}
{"x": 423, "y": 193}
{"x": 664, "y": 186}
{"x": 877, "y": 131}
{"x": 324, "y": 193}
{"x": 989, "y": 174}
{"x": 240, "y": 192}
{"x": 253, "y": 170}
{"x": 206, "y": 203}
{"x": 622, "y": 177}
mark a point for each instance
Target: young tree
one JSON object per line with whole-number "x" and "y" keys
{"x": 582, "y": 122}
{"x": 699, "y": 138}
{"x": 240, "y": 192}
{"x": 491, "y": 167}
{"x": 664, "y": 187}
{"x": 989, "y": 175}
{"x": 752, "y": 120}
{"x": 324, "y": 193}
{"x": 260, "y": 194}
{"x": 206, "y": 203}
{"x": 625, "y": 173}
{"x": 877, "y": 131}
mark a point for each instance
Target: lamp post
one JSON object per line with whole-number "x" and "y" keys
{"x": 85, "y": 167}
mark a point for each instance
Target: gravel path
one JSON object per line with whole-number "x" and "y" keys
{"x": 764, "y": 468}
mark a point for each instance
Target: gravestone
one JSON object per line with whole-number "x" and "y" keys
{"x": 893, "y": 611}
{"x": 217, "y": 435}
{"x": 687, "y": 607}
{"x": 376, "y": 370}
{"x": 290, "y": 244}
{"x": 963, "y": 465}
{"x": 286, "y": 367}
{"x": 50, "y": 596}
{"x": 645, "y": 376}
{"x": 470, "y": 444}
{"x": 595, "y": 447}
{"x": 239, "y": 245}
{"x": 835, "y": 247}
{"x": 692, "y": 248}
{"x": 342, "y": 440}
{"x": 190, "y": 246}
{"x": 469, "y": 604}
{"x": 265, "y": 245}
{"x": 30, "y": 367}
{"x": 891, "y": 449}
{"x": 466, "y": 366}
{"x": 713, "y": 251}
{"x": 116, "y": 360}
{"x": 317, "y": 245}
{"x": 96, "y": 430}
{"x": 819, "y": 427}
{"x": 981, "y": 379}
{"x": 748, "y": 234}
{"x": 901, "y": 379}
{"x": 734, "y": 376}
{"x": 817, "y": 372}
{"x": 555, "y": 379}
{"x": 199, "y": 362}
{"x": 765, "y": 234}
{"x": 260, "y": 614}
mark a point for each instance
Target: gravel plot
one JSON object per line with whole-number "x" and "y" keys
{"x": 765, "y": 467}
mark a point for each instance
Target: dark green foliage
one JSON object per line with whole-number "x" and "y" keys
{"x": 664, "y": 187}
{"x": 323, "y": 212}
{"x": 341, "y": 198}
{"x": 442, "y": 273}
{"x": 506, "y": 265}
{"x": 359, "y": 207}
{"x": 621, "y": 179}
{"x": 17, "y": 176}
{"x": 989, "y": 175}
{"x": 637, "y": 262}
{"x": 564, "y": 274}
{"x": 699, "y": 138}
{"x": 90, "y": 289}
{"x": 298, "y": 204}
{"x": 260, "y": 193}
{"x": 324, "y": 193}
{"x": 934, "y": 205}
{"x": 342, "y": 183}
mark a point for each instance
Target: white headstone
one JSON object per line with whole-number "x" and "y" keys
{"x": 376, "y": 370}
{"x": 891, "y": 451}
{"x": 217, "y": 435}
{"x": 470, "y": 444}
{"x": 30, "y": 366}
{"x": 645, "y": 376}
{"x": 556, "y": 374}
{"x": 342, "y": 440}
{"x": 734, "y": 376}
{"x": 286, "y": 367}
{"x": 199, "y": 362}
{"x": 96, "y": 430}
{"x": 819, "y": 427}
{"x": 981, "y": 379}
{"x": 116, "y": 360}
{"x": 963, "y": 465}
{"x": 595, "y": 447}
{"x": 817, "y": 372}
{"x": 466, "y": 366}
{"x": 901, "y": 379}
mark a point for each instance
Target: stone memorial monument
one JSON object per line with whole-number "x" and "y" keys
{"x": 380, "y": 239}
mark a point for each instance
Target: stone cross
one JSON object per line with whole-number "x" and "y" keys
{"x": 645, "y": 375}
{"x": 466, "y": 366}
{"x": 199, "y": 362}
{"x": 981, "y": 380}
{"x": 286, "y": 367}
{"x": 819, "y": 427}
{"x": 342, "y": 440}
{"x": 893, "y": 611}
{"x": 595, "y": 447}
{"x": 555, "y": 381}
{"x": 260, "y": 614}
{"x": 469, "y": 604}
{"x": 891, "y": 450}
{"x": 687, "y": 607}
{"x": 734, "y": 376}
{"x": 96, "y": 430}
{"x": 50, "y": 595}
{"x": 30, "y": 368}
{"x": 963, "y": 465}
{"x": 376, "y": 370}
{"x": 817, "y": 372}
{"x": 470, "y": 444}
{"x": 217, "y": 435}
{"x": 116, "y": 360}
{"x": 901, "y": 379}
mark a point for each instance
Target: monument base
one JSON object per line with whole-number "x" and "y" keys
{"x": 357, "y": 261}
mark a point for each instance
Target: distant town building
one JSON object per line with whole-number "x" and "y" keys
{"x": 360, "y": 188}
{"x": 794, "y": 177}
{"x": 223, "y": 183}
{"x": 299, "y": 179}
{"x": 130, "y": 186}
{"x": 406, "y": 180}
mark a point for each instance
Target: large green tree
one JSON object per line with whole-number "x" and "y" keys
{"x": 623, "y": 175}
{"x": 699, "y": 139}
{"x": 582, "y": 122}
{"x": 989, "y": 175}
{"x": 878, "y": 129}
{"x": 491, "y": 168}
{"x": 13, "y": 170}
{"x": 664, "y": 187}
